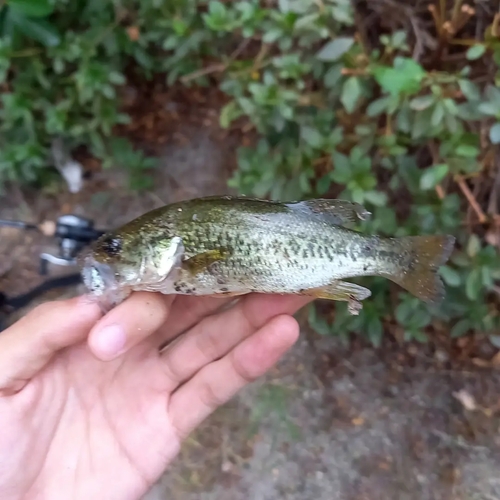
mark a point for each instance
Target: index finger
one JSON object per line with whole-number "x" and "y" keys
{"x": 129, "y": 323}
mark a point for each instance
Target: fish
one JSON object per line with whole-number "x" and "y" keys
{"x": 228, "y": 246}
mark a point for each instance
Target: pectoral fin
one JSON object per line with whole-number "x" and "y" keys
{"x": 339, "y": 212}
{"x": 202, "y": 261}
{"x": 342, "y": 291}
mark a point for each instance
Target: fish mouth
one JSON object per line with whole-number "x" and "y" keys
{"x": 100, "y": 282}
{"x": 97, "y": 277}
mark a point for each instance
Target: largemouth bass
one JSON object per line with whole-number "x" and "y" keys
{"x": 230, "y": 246}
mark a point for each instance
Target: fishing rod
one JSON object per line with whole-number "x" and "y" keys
{"x": 73, "y": 233}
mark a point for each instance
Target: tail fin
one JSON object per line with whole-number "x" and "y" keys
{"x": 417, "y": 273}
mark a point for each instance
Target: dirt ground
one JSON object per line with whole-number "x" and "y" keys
{"x": 330, "y": 422}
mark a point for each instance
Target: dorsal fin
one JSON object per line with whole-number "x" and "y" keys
{"x": 338, "y": 212}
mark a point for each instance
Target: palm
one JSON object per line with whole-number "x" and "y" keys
{"x": 105, "y": 420}
{"x": 109, "y": 429}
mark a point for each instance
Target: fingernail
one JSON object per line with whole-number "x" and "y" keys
{"x": 109, "y": 342}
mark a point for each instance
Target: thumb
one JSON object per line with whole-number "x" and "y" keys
{"x": 28, "y": 345}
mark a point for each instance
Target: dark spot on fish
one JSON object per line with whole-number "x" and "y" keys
{"x": 220, "y": 281}
{"x": 365, "y": 268}
{"x": 224, "y": 289}
{"x": 178, "y": 288}
{"x": 111, "y": 246}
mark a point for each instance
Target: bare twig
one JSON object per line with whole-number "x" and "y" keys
{"x": 493, "y": 201}
{"x": 440, "y": 192}
{"x": 456, "y": 11}
{"x": 470, "y": 198}
{"x": 214, "y": 68}
{"x": 219, "y": 67}
{"x": 437, "y": 19}
{"x": 419, "y": 44}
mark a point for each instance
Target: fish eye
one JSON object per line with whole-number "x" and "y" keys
{"x": 111, "y": 246}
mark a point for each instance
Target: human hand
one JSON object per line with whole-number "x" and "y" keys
{"x": 92, "y": 413}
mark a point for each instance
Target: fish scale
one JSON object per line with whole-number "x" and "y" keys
{"x": 237, "y": 245}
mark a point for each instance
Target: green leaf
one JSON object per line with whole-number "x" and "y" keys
{"x": 231, "y": 111}
{"x": 351, "y": 92}
{"x": 378, "y": 106}
{"x": 333, "y": 76}
{"x": 116, "y": 78}
{"x": 403, "y": 312}
{"x": 320, "y": 326}
{"x": 312, "y": 136}
{"x": 437, "y": 114}
{"x": 433, "y": 176}
{"x": 36, "y": 29}
{"x": 398, "y": 39}
{"x": 418, "y": 335}
{"x": 470, "y": 90}
{"x": 404, "y": 119}
{"x": 335, "y": 49}
{"x": 405, "y": 77}
{"x": 420, "y": 126}
{"x": 422, "y": 102}
{"x": 375, "y": 331}
{"x": 495, "y": 133}
{"x": 473, "y": 246}
{"x": 490, "y": 108}
{"x": 473, "y": 285}
{"x": 466, "y": 151}
{"x": 32, "y": 8}
{"x": 460, "y": 328}
{"x": 341, "y": 168}
{"x": 450, "y": 276}
{"x": 475, "y": 52}
{"x": 377, "y": 198}
{"x": 323, "y": 185}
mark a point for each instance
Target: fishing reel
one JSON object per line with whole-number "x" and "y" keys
{"x": 73, "y": 233}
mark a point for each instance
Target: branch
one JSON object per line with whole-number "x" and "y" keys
{"x": 470, "y": 198}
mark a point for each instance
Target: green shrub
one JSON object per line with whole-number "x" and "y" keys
{"x": 337, "y": 113}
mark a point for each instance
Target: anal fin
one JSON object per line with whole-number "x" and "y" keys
{"x": 342, "y": 291}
